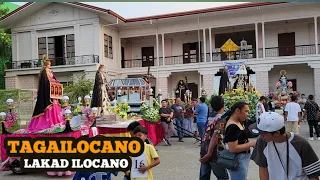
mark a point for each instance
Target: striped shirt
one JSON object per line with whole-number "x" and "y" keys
{"x": 303, "y": 161}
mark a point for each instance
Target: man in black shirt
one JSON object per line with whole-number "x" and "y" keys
{"x": 312, "y": 109}
{"x": 166, "y": 115}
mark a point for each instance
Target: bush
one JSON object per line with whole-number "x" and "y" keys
{"x": 79, "y": 88}
{"x": 18, "y": 97}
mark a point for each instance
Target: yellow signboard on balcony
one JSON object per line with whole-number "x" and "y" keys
{"x": 229, "y": 47}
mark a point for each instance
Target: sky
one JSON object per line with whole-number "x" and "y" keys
{"x": 139, "y": 9}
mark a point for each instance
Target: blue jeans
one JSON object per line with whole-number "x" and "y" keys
{"x": 179, "y": 122}
{"x": 201, "y": 128}
{"x": 242, "y": 172}
{"x": 206, "y": 168}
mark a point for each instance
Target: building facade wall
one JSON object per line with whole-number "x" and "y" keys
{"x": 262, "y": 85}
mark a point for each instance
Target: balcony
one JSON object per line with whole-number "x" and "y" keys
{"x": 299, "y": 50}
{"x": 64, "y": 61}
{"x": 190, "y": 58}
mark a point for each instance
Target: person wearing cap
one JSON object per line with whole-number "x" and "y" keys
{"x": 281, "y": 154}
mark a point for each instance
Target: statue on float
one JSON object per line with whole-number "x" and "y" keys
{"x": 242, "y": 79}
{"x": 181, "y": 90}
{"x": 224, "y": 81}
{"x": 47, "y": 111}
{"x": 100, "y": 98}
{"x": 284, "y": 88}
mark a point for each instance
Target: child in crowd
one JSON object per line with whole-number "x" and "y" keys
{"x": 130, "y": 128}
{"x": 147, "y": 160}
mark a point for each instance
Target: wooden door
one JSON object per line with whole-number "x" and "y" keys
{"x": 147, "y": 56}
{"x": 191, "y": 52}
{"x": 186, "y": 53}
{"x": 287, "y": 43}
{"x": 193, "y": 87}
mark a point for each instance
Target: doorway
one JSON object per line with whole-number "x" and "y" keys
{"x": 59, "y": 50}
{"x": 147, "y": 56}
{"x": 287, "y": 43}
{"x": 193, "y": 87}
{"x": 191, "y": 53}
{"x": 122, "y": 57}
{"x": 294, "y": 84}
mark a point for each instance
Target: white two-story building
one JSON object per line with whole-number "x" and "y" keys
{"x": 184, "y": 45}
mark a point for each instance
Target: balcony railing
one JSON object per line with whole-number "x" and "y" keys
{"x": 76, "y": 60}
{"x": 289, "y": 51}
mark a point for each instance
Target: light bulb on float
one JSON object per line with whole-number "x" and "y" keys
{"x": 67, "y": 114}
{"x": 65, "y": 100}
{"x": 94, "y": 111}
{"x": 87, "y": 100}
{"x": 10, "y": 103}
{"x": 3, "y": 116}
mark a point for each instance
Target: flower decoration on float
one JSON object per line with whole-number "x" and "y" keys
{"x": 290, "y": 84}
{"x": 278, "y": 84}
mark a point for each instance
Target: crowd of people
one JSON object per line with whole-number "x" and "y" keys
{"x": 279, "y": 151}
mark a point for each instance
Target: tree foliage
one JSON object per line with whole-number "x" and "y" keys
{"x": 79, "y": 88}
{"x": 5, "y": 47}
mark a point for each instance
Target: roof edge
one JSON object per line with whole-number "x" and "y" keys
{"x": 16, "y": 10}
{"x": 201, "y": 11}
{"x": 162, "y": 16}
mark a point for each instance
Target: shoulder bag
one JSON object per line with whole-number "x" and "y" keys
{"x": 228, "y": 160}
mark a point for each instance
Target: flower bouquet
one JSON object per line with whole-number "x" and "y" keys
{"x": 233, "y": 96}
{"x": 11, "y": 118}
{"x": 150, "y": 114}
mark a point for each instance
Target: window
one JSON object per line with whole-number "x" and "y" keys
{"x": 108, "y": 46}
{"x": 42, "y": 47}
{"x": 70, "y": 45}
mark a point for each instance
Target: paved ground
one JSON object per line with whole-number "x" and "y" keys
{"x": 178, "y": 162}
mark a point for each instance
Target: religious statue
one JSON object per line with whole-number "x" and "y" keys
{"x": 47, "y": 111}
{"x": 224, "y": 81}
{"x": 242, "y": 78}
{"x": 100, "y": 98}
{"x": 181, "y": 90}
{"x": 283, "y": 81}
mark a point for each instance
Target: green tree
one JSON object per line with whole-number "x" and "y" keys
{"x": 79, "y": 88}
{"x": 5, "y": 46}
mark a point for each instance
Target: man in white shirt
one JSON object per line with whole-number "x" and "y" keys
{"x": 260, "y": 107}
{"x": 292, "y": 114}
{"x": 282, "y": 155}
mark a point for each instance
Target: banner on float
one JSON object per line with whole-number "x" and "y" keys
{"x": 233, "y": 67}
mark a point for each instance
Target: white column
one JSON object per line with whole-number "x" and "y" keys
{"x": 200, "y": 85}
{"x": 316, "y": 34}
{"x": 163, "y": 53}
{"x": 257, "y": 40}
{"x": 157, "y": 46}
{"x": 263, "y": 41}
{"x": 210, "y": 44}
{"x": 34, "y": 45}
{"x": 204, "y": 45}
{"x": 77, "y": 40}
{"x": 96, "y": 40}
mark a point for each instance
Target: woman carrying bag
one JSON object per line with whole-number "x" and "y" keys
{"x": 236, "y": 136}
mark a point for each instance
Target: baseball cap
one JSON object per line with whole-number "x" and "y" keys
{"x": 269, "y": 122}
